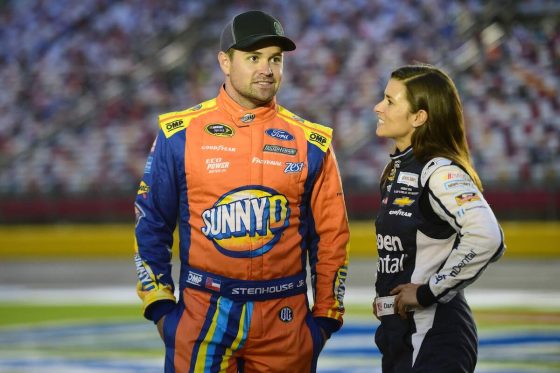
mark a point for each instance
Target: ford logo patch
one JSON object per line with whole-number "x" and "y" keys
{"x": 279, "y": 134}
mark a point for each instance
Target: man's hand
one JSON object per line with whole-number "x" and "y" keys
{"x": 160, "y": 327}
{"x": 405, "y": 298}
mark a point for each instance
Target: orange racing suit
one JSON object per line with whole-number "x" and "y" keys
{"x": 256, "y": 196}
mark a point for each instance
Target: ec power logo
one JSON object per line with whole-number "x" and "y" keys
{"x": 246, "y": 222}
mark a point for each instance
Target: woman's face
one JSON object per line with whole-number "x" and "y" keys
{"x": 395, "y": 121}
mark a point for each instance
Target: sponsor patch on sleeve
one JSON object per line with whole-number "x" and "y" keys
{"x": 463, "y": 198}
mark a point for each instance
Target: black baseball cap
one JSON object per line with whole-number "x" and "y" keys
{"x": 247, "y": 29}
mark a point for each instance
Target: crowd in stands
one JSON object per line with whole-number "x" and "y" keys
{"x": 83, "y": 82}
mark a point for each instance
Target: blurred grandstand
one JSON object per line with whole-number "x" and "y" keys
{"x": 83, "y": 83}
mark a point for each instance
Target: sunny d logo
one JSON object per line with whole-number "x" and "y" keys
{"x": 246, "y": 222}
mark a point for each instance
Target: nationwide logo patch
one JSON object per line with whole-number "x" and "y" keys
{"x": 219, "y": 129}
{"x": 246, "y": 222}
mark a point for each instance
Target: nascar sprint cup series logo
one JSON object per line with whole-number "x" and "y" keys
{"x": 246, "y": 222}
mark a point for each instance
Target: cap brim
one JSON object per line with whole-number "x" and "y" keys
{"x": 282, "y": 41}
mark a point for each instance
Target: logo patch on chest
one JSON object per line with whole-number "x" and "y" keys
{"x": 246, "y": 222}
{"x": 219, "y": 129}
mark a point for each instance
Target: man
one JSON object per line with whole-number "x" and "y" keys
{"x": 256, "y": 194}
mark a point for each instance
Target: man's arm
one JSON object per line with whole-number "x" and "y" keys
{"x": 329, "y": 249}
{"x": 156, "y": 209}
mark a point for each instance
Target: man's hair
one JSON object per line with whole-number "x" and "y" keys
{"x": 443, "y": 134}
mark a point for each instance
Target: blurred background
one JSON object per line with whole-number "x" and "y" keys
{"x": 82, "y": 84}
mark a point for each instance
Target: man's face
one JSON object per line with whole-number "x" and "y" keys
{"x": 253, "y": 78}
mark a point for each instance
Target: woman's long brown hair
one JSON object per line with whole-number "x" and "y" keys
{"x": 443, "y": 133}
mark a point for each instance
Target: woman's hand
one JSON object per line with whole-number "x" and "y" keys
{"x": 405, "y": 298}
{"x": 374, "y": 305}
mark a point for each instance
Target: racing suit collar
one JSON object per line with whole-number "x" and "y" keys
{"x": 242, "y": 116}
{"x": 405, "y": 154}
{"x": 401, "y": 158}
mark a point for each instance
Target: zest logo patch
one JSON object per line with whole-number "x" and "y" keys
{"x": 292, "y": 167}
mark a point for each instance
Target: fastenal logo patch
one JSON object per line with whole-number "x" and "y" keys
{"x": 246, "y": 222}
{"x": 286, "y": 314}
{"x": 220, "y": 130}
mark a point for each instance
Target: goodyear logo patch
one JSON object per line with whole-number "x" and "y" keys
{"x": 219, "y": 129}
{"x": 246, "y": 222}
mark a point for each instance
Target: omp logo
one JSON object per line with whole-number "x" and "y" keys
{"x": 194, "y": 278}
{"x": 246, "y": 222}
{"x": 174, "y": 125}
{"x": 319, "y": 139}
{"x": 389, "y": 243}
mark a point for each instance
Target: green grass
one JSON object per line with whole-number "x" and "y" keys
{"x": 17, "y": 314}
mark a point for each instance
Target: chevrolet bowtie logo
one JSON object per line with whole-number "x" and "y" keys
{"x": 403, "y": 201}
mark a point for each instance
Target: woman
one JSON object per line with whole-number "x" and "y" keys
{"x": 435, "y": 232}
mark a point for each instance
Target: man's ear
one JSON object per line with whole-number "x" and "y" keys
{"x": 224, "y": 61}
{"x": 420, "y": 117}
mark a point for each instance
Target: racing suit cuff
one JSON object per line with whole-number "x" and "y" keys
{"x": 425, "y": 296}
{"x": 157, "y": 310}
{"x": 328, "y": 325}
